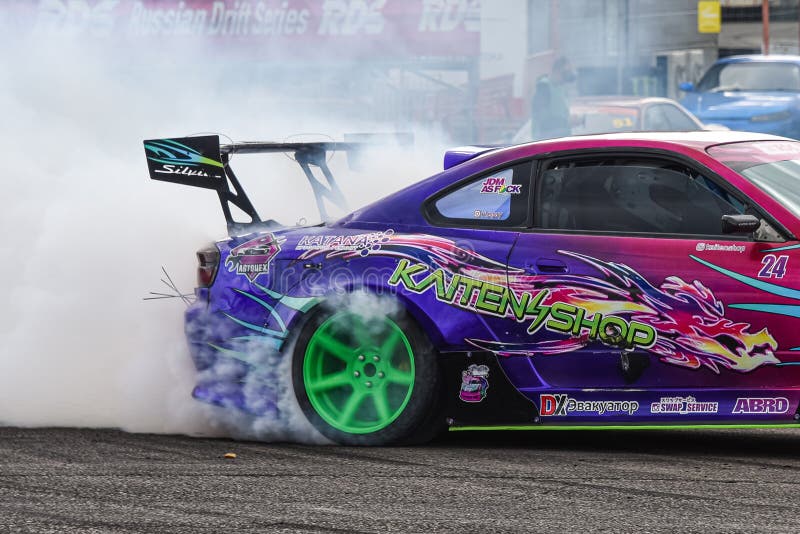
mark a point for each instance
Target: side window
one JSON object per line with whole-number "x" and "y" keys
{"x": 655, "y": 119}
{"x": 667, "y": 117}
{"x": 496, "y": 199}
{"x": 631, "y": 196}
{"x": 677, "y": 119}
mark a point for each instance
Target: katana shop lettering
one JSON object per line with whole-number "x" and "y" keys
{"x": 340, "y": 242}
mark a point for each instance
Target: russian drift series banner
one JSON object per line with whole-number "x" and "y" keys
{"x": 271, "y": 29}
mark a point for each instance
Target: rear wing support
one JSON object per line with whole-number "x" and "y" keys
{"x": 238, "y": 198}
{"x": 202, "y": 162}
{"x": 322, "y": 191}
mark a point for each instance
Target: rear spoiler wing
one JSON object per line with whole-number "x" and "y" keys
{"x": 202, "y": 161}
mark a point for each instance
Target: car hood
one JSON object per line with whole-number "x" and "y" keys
{"x": 737, "y": 104}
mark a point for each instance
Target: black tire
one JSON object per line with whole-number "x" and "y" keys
{"x": 421, "y": 417}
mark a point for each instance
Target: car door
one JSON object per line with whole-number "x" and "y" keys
{"x": 477, "y": 220}
{"x": 623, "y": 264}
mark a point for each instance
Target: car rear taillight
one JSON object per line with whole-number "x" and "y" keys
{"x": 207, "y": 264}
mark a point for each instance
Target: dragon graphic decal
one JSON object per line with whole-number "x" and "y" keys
{"x": 682, "y": 322}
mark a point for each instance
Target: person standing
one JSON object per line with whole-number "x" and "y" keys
{"x": 550, "y": 115}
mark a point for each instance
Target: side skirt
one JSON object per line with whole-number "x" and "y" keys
{"x": 631, "y": 426}
{"x": 479, "y": 396}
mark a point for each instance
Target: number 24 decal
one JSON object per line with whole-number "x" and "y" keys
{"x": 773, "y": 266}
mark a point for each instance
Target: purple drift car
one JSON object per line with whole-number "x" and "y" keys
{"x": 638, "y": 279}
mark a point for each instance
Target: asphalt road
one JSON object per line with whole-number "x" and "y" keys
{"x": 78, "y": 480}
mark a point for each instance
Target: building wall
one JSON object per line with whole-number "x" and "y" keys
{"x": 643, "y": 47}
{"x": 504, "y": 40}
{"x": 661, "y": 26}
{"x": 742, "y": 27}
{"x": 618, "y": 46}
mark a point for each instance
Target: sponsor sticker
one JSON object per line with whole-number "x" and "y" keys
{"x": 554, "y": 405}
{"x": 483, "y": 214}
{"x": 497, "y": 185}
{"x": 761, "y": 405}
{"x": 339, "y": 243}
{"x": 484, "y": 297}
{"x": 187, "y": 156}
{"x": 683, "y": 406}
{"x": 253, "y": 257}
{"x": 705, "y": 247}
{"x": 474, "y": 383}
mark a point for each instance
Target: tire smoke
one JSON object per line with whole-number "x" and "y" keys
{"x": 86, "y": 233}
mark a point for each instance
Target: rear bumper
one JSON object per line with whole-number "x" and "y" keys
{"x": 198, "y": 329}
{"x": 232, "y": 372}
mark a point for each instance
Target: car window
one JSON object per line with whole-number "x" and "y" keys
{"x": 602, "y": 119}
{"x": 773, "y": 166}
{"x": 751, "y": 76}
{"x": 667, "y": 117}
{"x": 633, "y": 196}
{"x": 496, "y": 199}
{"x": 677, "y": 118}
{"x": 655, "y": 119}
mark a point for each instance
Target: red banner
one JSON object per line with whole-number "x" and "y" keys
{"x": 274, "y": 29}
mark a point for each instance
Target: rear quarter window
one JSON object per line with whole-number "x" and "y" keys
{"x": 499, "y": 198}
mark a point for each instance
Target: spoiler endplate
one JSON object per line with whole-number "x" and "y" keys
{"x": 202, "y": 162}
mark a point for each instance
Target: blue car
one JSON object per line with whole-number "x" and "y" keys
{"x": 749, "y": 93}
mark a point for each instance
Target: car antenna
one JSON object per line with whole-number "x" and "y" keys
{"x": 187, "y": 298}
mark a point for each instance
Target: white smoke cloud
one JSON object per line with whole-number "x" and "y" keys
{"x": 85, "y": 232}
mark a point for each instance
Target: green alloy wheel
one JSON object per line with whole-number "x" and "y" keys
{"x": 364, "y": 381}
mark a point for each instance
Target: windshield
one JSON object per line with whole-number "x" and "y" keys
{"x": 751, "y": 77}
{"x": 594, "y": 120}
{"x": 773, "y": 166}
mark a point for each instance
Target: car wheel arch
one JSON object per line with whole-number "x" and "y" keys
{"x": 423, "y": 319}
